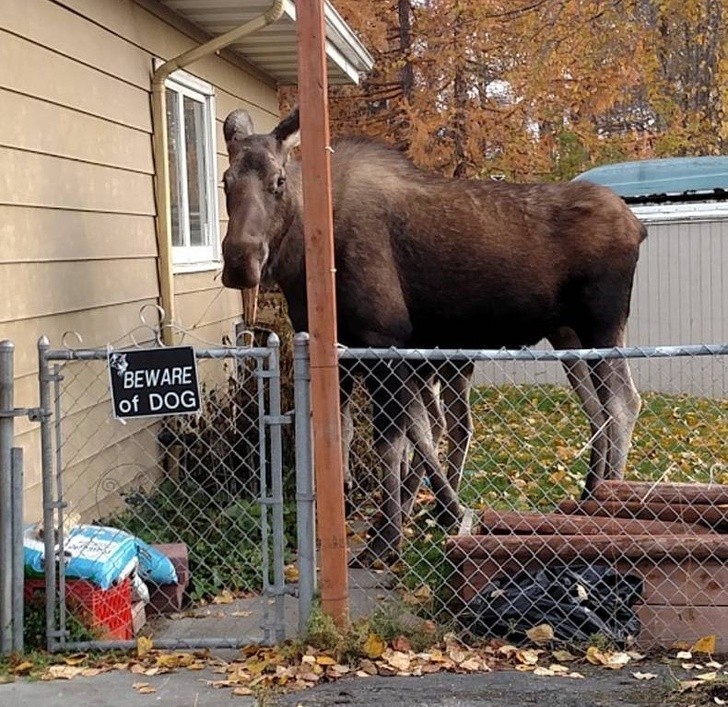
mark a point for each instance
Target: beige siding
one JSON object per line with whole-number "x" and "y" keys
{"x": 24, "y": 123}
{"x": 77, "y": 202}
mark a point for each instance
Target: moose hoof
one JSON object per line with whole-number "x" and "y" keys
{"x": 378, "y": 554}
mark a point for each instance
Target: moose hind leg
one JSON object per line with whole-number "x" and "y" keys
{"x": 413, "y": 471}
{"x": 456, "y": 381}
{"x": 447, "y": 508}
{"x": 623, "y": 405}
{"x": 621, "y": 401}
{"x": 579, "y": 376}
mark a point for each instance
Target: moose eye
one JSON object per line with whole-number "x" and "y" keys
{"x": 277, "y": 184}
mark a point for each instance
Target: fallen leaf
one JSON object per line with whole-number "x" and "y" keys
{"x": 398, "y": 660}
{"x": 616, "y": 661}
{"x": 75, "y": 659}
{"x": 595, "y": 656}
{"x": 144, "y": 645}
{"x": 225, "y": 597}
{"x": 242, "y": 691}
{"x": 541, "y": 634}
{"x": 508, "y": 650}
{"x": 148, "y": 690}
{"x": 706, "y": 644}
{"x": 528, "y": 656}
{"x": 558, "y": 669}
{"x": 421, "y": 595}
{"x": 140, "y": 685}
{"x": 90, "y": 672}
{"x": 374, "y": 646}
{"x": 541, "y": 671}
{"x": 325, "y": 660}
{"x": 713, "y": 664}
{"x": 635, "y": 656}
{"x": 241, "y": 614}
{"x": 368, "y": 667}
{"x": 684, "y": 655}
{"x": 707, "y": 677}
{"x": 563, "y": 656}
{"x": 63, "y": 672}
{"x": 645, "y": 676}
{"x": 686, "y": 685}
{"x": 472, "y": 665}
{"x": 575, "y": 676}
{"x": 401, "y": 644}
{"x": 718, "y": 701}
{"x": 22, "y": 668}
{"x": 291, "y": 573}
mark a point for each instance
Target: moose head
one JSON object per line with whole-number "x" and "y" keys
{"x": 258, "y": 197}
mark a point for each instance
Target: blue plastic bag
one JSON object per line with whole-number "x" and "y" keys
{"x": 154, "y": 566}
{"x": 95, "y": 553}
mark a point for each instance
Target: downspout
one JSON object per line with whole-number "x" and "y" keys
{"x": 160, "y": 147}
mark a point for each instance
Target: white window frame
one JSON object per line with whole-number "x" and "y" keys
{"x": 197, "y": 258}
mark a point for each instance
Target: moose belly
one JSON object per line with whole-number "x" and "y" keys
{"x": 493, "y": 325}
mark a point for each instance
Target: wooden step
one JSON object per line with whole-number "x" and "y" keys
{"x": 522, "y": 523}
{"x": 711, "y": 517}
{"x": 649, "y": 492}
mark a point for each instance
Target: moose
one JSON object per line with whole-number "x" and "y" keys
{"x": 427, "y": 261}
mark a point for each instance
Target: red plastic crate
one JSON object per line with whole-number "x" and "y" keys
{"x": 107, "y": 612}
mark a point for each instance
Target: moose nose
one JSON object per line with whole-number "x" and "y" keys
{"x": 240, "y": 272}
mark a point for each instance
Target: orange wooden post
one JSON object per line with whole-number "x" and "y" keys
{"x": 320, "y": 284}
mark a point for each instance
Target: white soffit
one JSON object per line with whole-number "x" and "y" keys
{"x": 273, "y": 49}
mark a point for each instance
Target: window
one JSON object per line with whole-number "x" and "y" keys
{"x": 191, "y": 152}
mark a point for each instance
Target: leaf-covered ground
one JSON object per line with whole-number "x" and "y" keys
{"x": 529, "y": 448}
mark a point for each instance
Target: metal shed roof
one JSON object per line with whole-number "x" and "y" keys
{"x": 668, "y": 179}
{"x": 274, "y": 48}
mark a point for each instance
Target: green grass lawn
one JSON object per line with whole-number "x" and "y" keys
{"x": 529, "y": 445}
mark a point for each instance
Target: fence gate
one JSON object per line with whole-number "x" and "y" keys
{"x": 209, "y": 487}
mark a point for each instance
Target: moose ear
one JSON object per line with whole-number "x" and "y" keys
{"x": 237, "y": 126}
{"x": 288, "y": 132}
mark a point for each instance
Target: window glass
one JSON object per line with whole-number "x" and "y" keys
{"x": 191, "y": 156}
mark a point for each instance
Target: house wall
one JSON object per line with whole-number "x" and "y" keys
{"x": 77, "y": 202}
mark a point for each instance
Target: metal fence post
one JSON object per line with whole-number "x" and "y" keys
{"x": 305, "y": 510}
{"x": 46, "y": 441}
{"x": 276, "y": 490}
{"x": 18, "y": 563}
{"x": 7, "y": 428}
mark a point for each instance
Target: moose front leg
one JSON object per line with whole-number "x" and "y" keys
{"x": 416, "y": 389}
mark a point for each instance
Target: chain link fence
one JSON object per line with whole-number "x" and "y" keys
{"x": 467, "y": 497}
{"x": 198, "y": 510}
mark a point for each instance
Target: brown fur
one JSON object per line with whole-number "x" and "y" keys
{"x": 427, "y": 261}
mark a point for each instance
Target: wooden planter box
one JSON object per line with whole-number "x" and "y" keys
{"x": 684, "y": 566}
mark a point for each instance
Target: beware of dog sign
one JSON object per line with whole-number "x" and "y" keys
{"x": 152, "y": 382}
